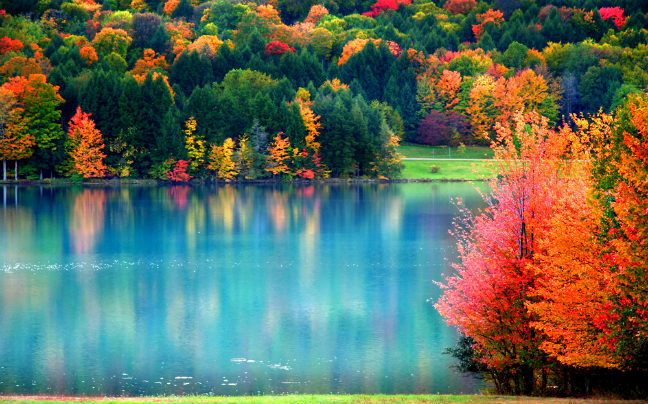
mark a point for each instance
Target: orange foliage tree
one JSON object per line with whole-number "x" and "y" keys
{"x": 487, "y": 297}
{"x": 481, "y": 106}
{"x": 572, "y": 289}
{"x": 356, "y": 45}
{"x": 448, "y": 89}
{"x": 89, "y": 54}
{"x": 311, "y": 121}
{"x": 9, "y": 45}
{"x": 148, "y": 62}
{"x": 170, "y": 6}
{"x": 622, "y": 190}
{"x": 491, "y": 16}
{"x": 279, "y": 156}
{"x": 20, "y": 66}
{"x": 85, "y": 144}
{"x": 316, "y": 13}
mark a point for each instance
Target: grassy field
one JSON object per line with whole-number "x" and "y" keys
{"x": 448, "y": 170}
{"x": 318, "y": 399}
{"x": 441, "y": 152}
{"x": 450, "y": 165}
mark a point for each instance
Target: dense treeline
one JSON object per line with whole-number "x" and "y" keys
{"x": 182, "y": 88}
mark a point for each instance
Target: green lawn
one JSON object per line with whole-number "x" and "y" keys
{"x": 448, "y": 170}
{"x": 451, "y": 165}
{"x": 441, "y": 152}
{"x": 320, "y": 399}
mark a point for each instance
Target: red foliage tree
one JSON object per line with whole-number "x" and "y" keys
{"x": 9, "y": 45}
{"x": 278, "y": 48}
{"x": 487, "y": 297}
{"x": 179, "y": 172}
{"x": 460, "y": 6}
{"x": 489, "y": 17}
{"x": 615, "y": 13}
{"x": 382, "y": 5}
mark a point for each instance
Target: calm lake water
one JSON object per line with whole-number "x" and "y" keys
{"x": 227, "y": 290}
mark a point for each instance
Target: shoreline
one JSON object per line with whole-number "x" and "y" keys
{"x": 163, "y": 183}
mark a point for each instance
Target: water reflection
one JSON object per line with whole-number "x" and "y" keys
{"x": 228, "y": 290}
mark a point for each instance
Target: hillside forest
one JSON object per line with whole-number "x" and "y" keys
{"x": 294, "y": 89}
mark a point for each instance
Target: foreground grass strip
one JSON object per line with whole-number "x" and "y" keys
{"x": 317, "y": 399}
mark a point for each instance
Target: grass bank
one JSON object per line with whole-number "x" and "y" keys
{"x": 317, "y": 399}
{"x": 450, "y": 163}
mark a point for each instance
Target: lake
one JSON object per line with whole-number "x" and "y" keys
{"x": 227, "y": 290}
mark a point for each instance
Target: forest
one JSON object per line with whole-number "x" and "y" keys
{"x": 230, "y": 90}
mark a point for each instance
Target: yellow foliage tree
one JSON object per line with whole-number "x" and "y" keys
{"x": 222, "y": 162}
{"x": 195, "y": 145}
{"x": 206, "y": 45}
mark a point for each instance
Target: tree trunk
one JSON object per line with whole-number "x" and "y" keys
{"x": 16, "y": 170}
{"x": 4, "y": 170}
{"x": 41, "y": 174}
{"x": 528, "y": 380}
{"x": 543, "y": 386}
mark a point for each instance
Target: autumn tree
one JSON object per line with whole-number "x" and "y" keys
{"x": 494, "y": 17}
{"x": 111, "y": 40}
{"x": 481, "y": 106}
{"x": 195, "y": 145}
{"x": 614, "y": 13}
{"x": 15, "y": 141}
{"x": 278, "y": 48}
{"x": 621, "y": 187}
{"x": 149, "y": 62}
{"x": 495, "y": 279}
{"x": 279, "y": 156}
{"x": 179, "y": 172}
{"x": 39, "y": 115}
{"x": 382, "y": 5}
{"x": 206, "y": 46}
{"x": 221, "y": 160}
{"x": 460, "y": 6}
{"x": 311, "y": 121}
{"x": 10, "y": 45}
{"x": 85, "y": 145}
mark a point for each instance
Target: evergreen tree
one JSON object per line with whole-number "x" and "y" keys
{"x": 99, "y": 96}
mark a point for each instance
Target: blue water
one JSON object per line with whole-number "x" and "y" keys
{"x": 227, "y": 289}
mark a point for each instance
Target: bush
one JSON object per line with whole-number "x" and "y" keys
{"x": 435, "y": 169}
